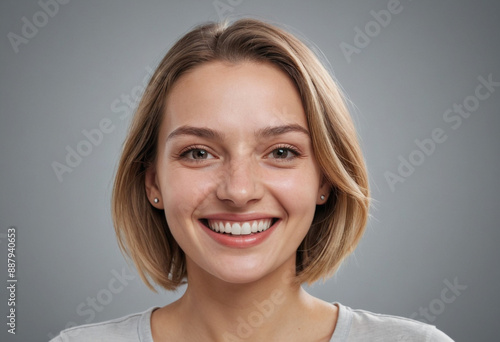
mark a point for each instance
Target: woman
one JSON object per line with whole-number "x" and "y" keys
{"x": 242, "y": 176}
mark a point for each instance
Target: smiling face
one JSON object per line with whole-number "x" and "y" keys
{"x": 235, "y": 171}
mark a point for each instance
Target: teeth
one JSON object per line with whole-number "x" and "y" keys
{"x": 261, "y": 226}
{"x": 240, "y": 228}
{"x": 236, "y": 229}
{"x": 245, "y": 228}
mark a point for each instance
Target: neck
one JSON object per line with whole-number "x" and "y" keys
{"x": 252, "y": 311}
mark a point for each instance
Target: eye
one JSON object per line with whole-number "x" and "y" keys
{"x": 283, "y": 153}
{"x": 196, "y": 154}
{"x": 280, "y": 153}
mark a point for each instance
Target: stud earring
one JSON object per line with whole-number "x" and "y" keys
{"x": 322, "y": 197}
{"x": 156, "y": 200}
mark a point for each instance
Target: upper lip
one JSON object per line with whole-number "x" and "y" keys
{"x": 238, "y": 217}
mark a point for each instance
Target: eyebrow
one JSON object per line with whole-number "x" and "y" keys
{"x": 208, "y": 133}
{"x": 201, "y": 132}
{"x": 279, "y": 130}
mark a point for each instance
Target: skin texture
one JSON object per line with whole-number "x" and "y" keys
{"x": 220, "y": 153}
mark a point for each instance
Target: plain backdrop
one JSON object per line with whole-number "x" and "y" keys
{"x": 431, "y": 247}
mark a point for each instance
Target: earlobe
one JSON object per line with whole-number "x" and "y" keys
{"x": 152, "y": 189}
{"x": 323, "y": 193}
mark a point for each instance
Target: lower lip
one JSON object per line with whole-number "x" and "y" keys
{"x": 240, "y": 241}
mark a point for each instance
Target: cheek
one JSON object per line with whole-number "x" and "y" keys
{"x": 296, "y": 191}
{"x": 185, "y": 192}
{"x": 296, "y": 194}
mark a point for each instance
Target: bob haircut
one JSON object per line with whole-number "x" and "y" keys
{"x": 337, "y": 226}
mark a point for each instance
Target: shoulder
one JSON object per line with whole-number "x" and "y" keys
{"x": 132, "y": 328}
{"x": 362, "y": 325}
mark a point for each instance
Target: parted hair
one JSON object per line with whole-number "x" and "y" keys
{"x": 142, "y": 230}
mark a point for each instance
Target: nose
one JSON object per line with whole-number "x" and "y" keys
{"x": 240, "y": 183}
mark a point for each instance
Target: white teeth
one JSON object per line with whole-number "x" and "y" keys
{"x": 245, "y": 228}
{"x": 260, "y": 227}
{"x": 240, "y": 228}
{"x": 236, "y": 229}
{"x": 255, "y": 225}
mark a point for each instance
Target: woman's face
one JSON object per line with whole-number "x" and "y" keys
{"x": 235, "y": 170}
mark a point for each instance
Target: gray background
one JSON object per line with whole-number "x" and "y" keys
{"x": 440, "y": 225}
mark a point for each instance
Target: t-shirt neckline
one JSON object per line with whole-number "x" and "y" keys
{"x": 342, "y": 327}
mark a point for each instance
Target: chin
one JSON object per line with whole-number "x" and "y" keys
{"x": 241, "y": 278}
{"x": 239, "y": 274}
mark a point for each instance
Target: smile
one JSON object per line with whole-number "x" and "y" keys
{"x": 239, "y": 228}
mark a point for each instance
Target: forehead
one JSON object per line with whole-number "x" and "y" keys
{"x": 239, "y": 95}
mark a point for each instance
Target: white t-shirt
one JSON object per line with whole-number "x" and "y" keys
{"x": 352, "y": 326}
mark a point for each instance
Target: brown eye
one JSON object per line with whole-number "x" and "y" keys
{"x": 283, "y": 154}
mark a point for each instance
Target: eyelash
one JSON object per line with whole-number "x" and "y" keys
{"x": 295, "y": 153}
{"x": 185, "y": 152}
{"x": 291, "y": 149}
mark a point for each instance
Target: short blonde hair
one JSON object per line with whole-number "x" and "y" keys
{"x": 142, "y": 230}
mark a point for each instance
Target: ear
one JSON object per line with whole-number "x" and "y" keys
{"x": 323, "y": 192}
{"x": 152, "y": 188}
